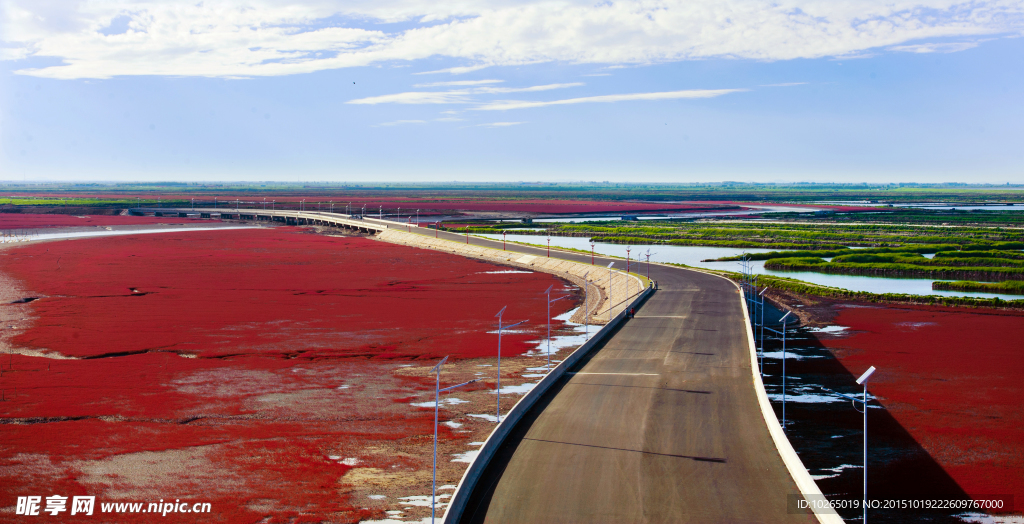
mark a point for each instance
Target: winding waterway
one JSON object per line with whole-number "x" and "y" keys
{"x": 694, "y": 256}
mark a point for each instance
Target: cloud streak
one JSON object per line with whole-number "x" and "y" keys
{"x": 250, "y": 38}
{"x": 505, "y": 105}
{"x": 458, "y": 96}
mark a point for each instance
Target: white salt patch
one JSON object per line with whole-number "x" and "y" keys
{"x": 333, "y": 457}
{"x": 484, "y": 365}
{"x": 466, "y": 457}
{"x": 351, "y": 461}
{"x": 446, "y": 486}
{"x": 790, "y": 355}
{"x": 981, "y": 518}
{"x": 449, "y": 401}
{"x": 377, "y": 497}
{"x": 542, "y": 368}
{"x": 422, "y": 501}
{"x": 828, "y": 329}
{"x": 521, "y": 389}
{"x": 452, "y": 424}
{"x": 342, "y": 387}
{"x": 534, "y": 375}
{"x": 394, "y": 513}
{"x": 489, "y": 418}
{"x": 915, "y": 325}
{"x": 806, "y": 398}
{"x": 424, "y": 520}
{"x": 476, "y": 443}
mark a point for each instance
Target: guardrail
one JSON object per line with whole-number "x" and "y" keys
{"x": 454, "y": 512}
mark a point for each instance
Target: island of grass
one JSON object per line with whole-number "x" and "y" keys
{"x": 1008, "y": 287}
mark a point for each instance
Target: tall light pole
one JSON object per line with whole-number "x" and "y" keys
{"x": 380, "y": 213}
{"x": 549, "y": 245}
{"x": 648, "y": 255}
{"x": 500, "y": 328}
{"x": 761, "y": 347}
{"x": 549, "y": 301}
{"x": 862, "y": 381}
{"x": 467, "y": 234}
{"x": 503, "y": 233}
{"x": 437, "y": 402}
{"x": 591, "y": 253}
{"x": 586, "y": 307}
{"x": 628, "y": 247}
{"x": 610, "y": 303}
{"x": 417, "y": 218}
{"x": 399, "y": 214}
{"x": 302, "y": 205}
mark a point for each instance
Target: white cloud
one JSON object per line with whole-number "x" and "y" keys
{"x": 459, "y": 96}
{"x": 400, "y": 123}
{"x": 417, "y": 97}
{"x": 787, "y": 84}
{"x": 460, "y": 83}
{"x": 504, "y": 105}
{"x": 500, "y": 124}
{"x": 249, "y": 38}
{"x": 948, "y": 47}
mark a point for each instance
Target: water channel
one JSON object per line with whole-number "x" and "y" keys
{"x": 694, "y": 256}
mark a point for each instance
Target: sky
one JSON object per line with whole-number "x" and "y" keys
{"x": 515, "y": 90}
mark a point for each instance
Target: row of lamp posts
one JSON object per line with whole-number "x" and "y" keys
{"x": 755, "y": 301}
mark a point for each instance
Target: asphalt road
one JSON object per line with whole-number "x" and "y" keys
{"x": 661, "y": 424}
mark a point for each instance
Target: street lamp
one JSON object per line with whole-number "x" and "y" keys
{"x": 399, "y": 214}
{"x": 380, "y": 213}
{"x": 610, "y": 264}
{"x": 783, "y": 333}
{"x": 503, "y": 233}
{"x": 549, "y": 245}
{"x": 500, "y": 328}
{"x": 862, "y": 381}
{"x": 302, "y": 205}
{"x": 648, "y": 254}
{"x": 761, "y": 348}
{"x": 586, "y": 307}
{"x": 591, "y": 253}
{"x": 628, "y": 247}
{"x": 548, "y": 293}
{"x": 437, "y": 401}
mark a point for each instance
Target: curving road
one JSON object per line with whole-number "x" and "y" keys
{"x": 660, "y": 424}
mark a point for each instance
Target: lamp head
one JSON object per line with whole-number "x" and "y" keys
{"x": 784, "y": 316}
{"x": 500, "y": 312}
{"x": 610, "y": 264}
{"x": 866, "y": 376}
{"x": 762, "y": 291}
{"x": 437, "y": 368}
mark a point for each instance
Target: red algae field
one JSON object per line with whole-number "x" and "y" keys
{"x": 278, "y": 375}
{"x": 953, "y": 378}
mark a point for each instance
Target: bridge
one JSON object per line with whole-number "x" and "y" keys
{"x": 363, "y": 224}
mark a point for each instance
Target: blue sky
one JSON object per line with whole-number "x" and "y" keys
{"x": 520, "y": 90}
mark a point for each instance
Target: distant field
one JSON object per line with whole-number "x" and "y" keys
{"x": 33, "y": 221}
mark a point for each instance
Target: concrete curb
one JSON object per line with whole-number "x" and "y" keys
{"x": 457, "y": 506}
{"x": 796, "y": 467}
